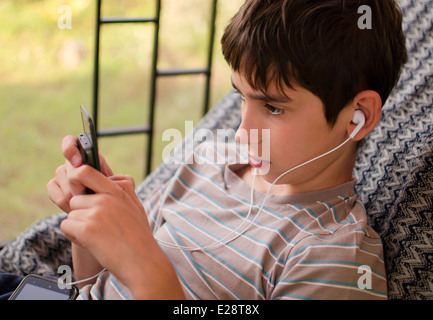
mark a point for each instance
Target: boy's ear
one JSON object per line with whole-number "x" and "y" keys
{"x": 370, "y": 103}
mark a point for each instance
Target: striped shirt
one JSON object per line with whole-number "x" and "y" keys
{"x": 315, "y": 245}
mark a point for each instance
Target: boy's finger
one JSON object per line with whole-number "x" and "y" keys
{"x": 75, "y": 184}
{"x": 105, "y": 168}
{"x": 70, "y": 150}
{"x": 127, "y": 184}
{"x": 89, "y": 177}
{"x": 57, "y": 196}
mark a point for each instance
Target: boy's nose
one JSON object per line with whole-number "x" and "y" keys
{"x": 248, "y": 131}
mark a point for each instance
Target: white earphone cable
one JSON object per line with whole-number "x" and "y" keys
{"x": 84, "y": 280}
{"x": 220, "y": 242}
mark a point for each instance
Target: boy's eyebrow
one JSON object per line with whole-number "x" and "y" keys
{"x": 264, "y": 97}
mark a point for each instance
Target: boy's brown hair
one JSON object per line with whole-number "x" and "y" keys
{"x": 319, "y": 45}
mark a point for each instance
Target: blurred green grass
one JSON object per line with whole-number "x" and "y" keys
{"x": 46, "y": 73}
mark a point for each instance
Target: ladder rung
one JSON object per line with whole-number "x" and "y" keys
{"x": 123, "y": 131}
{"x": 127, "y": 20}
{"x": 181, "y": 71}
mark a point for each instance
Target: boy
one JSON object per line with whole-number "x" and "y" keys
{"x": 264, "y": 230}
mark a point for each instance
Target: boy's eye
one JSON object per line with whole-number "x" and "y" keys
{"x": 275, "y": 111}
{"x": 238, "y": 92}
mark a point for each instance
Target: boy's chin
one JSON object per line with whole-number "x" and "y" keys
{"x": 266, "y": 173}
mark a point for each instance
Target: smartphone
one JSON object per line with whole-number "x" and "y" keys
{"x": 34, "y": 287}
{"x": 87, "y": 141}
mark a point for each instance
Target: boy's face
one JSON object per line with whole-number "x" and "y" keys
{"x": 298, "y": 132}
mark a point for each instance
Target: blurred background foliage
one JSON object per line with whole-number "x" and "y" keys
{"x": 46, "y": 73}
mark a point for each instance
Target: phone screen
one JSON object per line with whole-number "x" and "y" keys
{"x": 32, "y": 292}
{"x": 38, "y": 288}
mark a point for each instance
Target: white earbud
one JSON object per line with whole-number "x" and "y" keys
{"x": 359, "y": 119}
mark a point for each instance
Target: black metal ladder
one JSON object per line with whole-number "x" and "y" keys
{"x": 148, "y": 129}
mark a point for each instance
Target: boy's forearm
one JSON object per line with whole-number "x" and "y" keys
{"x": 85, "y": 265}
{"x": 155, "y": 280}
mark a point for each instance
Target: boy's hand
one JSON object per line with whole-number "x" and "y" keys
{"x": 112, "y": 225}
{"x": 61, "y": 189}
